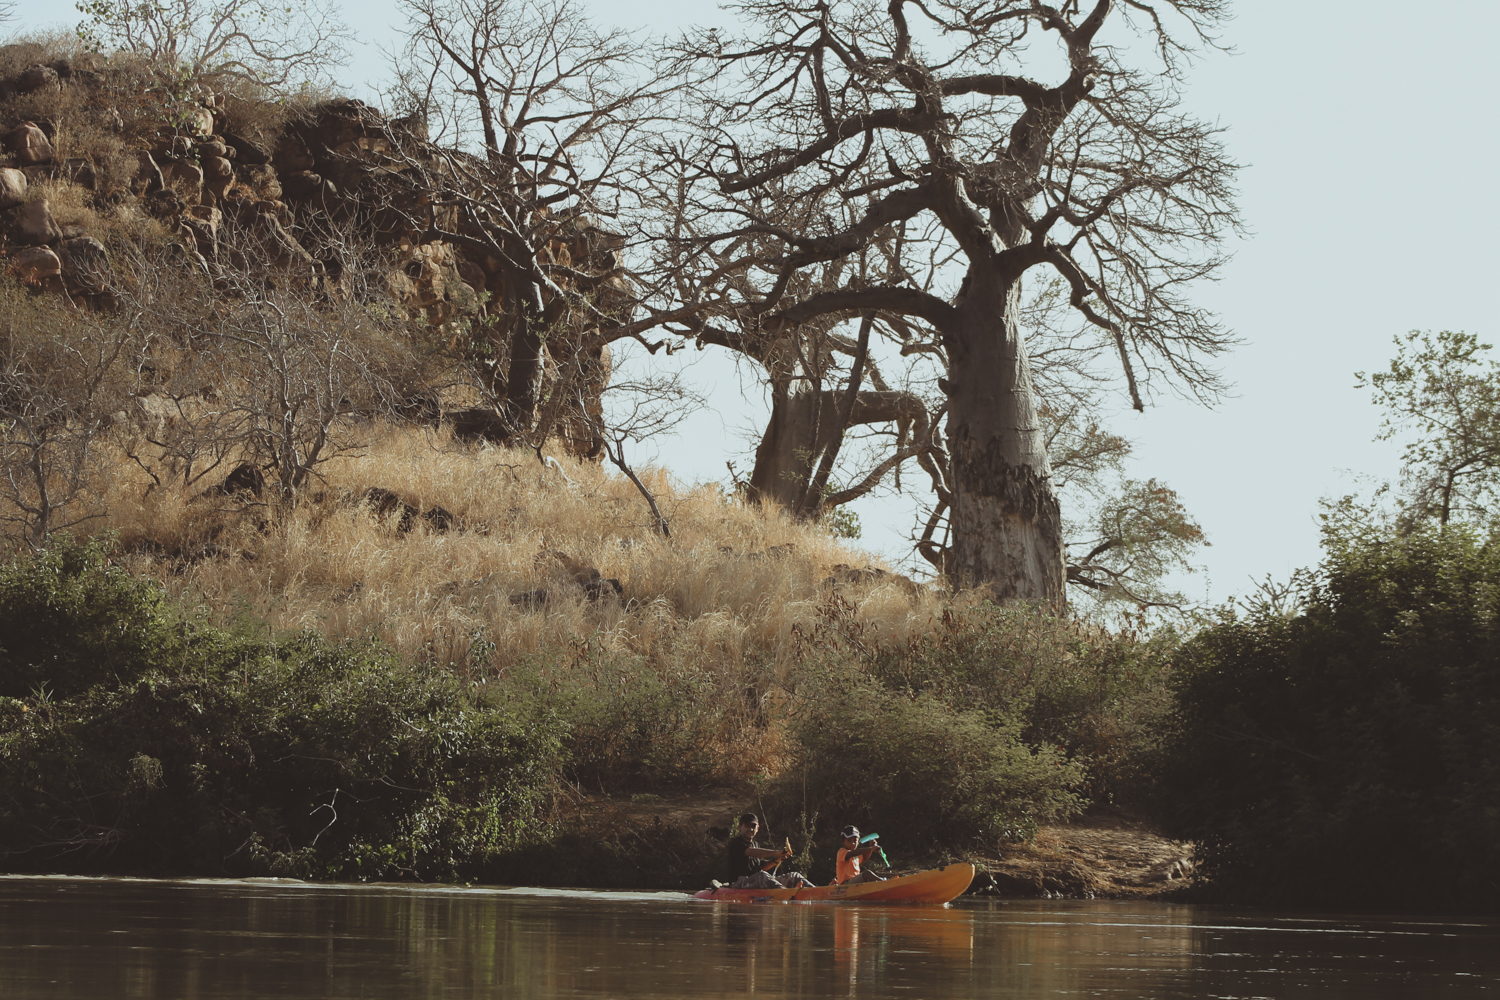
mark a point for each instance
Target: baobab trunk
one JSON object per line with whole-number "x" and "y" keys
{"x": 789, "y": 447}
{"x": 1006, "y": 525}
{"x": 805, "y": 424}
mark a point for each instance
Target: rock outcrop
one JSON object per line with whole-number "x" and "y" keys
{"x": 234, "y": 200}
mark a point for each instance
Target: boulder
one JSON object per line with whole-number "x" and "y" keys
{"x": 596, "y": 586}
{"x": 199, "y": 121}
{"x": 386, "y": 505}
{"x": 842, "y": 573}
{"x": 81, "y": 172}
{"x": 246, "y": 152}
{"x": 261, "y": 179}
{"x": 29, "y": 144}
{"x": 177, "y": 147}
{"x": 283, "y": 247}
{"x": 212, "y": 147}
{"x": 292, "y": 155}
{"x": 218, "y": 176}
{"x": 306, "y": 186}
{"x": 530, "y": 599}
{"x": 12, "y": 187}
{"x": 85, "y": 265}
{"x": 201, "y": 223}
{"x": 163, "y": 204}
{"x": 275, "y": 210}
{"x": 187, "y": 177}
{"x": 148, "y": 177}
{"x": 245, "y": 481}
{"x": 36, "y": 264}
{"x": 37, "y": 78}
{"x": 479, "y": 424}
{"x": 33, "y": 224}
{"x": 217, "y": 168}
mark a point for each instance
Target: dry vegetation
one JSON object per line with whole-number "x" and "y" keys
{"x": 730, "y": 584}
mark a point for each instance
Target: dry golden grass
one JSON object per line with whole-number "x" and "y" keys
{"x": 68, "y": 203}
{"x": 718, "y": 594}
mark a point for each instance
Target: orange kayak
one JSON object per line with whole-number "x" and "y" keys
{"x": 939, "y": 885}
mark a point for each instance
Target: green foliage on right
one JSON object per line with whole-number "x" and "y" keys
{"x": 1349, "y": 753}
{"x": 1441, "y": 393}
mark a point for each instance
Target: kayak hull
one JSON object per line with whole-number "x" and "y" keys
{"x": 940, "y": 885}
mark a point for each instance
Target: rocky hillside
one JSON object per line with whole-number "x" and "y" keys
{"x": 104, "y": 158}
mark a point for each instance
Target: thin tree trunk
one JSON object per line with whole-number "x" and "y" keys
{"x": 1006, "y": 524}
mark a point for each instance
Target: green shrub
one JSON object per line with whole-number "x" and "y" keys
{"x": 636, "y": 723}
{"x": 1349, "y": 754}
{"x": 70, "y": 620}
{"x": 232, "y": 754}
{"x": 923, "y": 773}
{"x": 1074, "y": 685}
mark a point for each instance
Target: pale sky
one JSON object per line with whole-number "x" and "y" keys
{"x": 1371, "y": 145}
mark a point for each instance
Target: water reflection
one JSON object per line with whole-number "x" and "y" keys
{"x": 119, "y": 938}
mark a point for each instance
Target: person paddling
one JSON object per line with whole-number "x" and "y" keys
{"x": 748, "y": 864}
{"x": 851, "y": 857}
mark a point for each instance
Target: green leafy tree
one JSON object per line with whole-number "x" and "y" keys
{"x": 1124, "y": 537}
{"x": 1442, "y": 393}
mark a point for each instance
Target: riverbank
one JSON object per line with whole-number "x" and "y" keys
{"x": 676, "y": 842}
{"x": 146, "y": 730}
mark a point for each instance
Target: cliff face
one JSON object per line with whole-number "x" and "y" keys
{"x": 104, "y": 156}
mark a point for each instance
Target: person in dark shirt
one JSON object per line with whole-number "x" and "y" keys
{"x": 745, "y": 861}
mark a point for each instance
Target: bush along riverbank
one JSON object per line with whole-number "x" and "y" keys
{"x": 139, "y": 736}
{"x": 1343, "y": 748}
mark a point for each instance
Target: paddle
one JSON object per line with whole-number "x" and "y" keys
{"x": 785, "y": 847}
{"x": 875, "y": 836}
{"x": 768, "y": 866}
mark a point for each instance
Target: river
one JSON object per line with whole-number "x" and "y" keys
{"x": 106, "y": 938}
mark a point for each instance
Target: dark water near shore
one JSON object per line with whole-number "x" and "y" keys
{"x": 96, "y": 938}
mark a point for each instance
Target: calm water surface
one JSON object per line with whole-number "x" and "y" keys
{"x": 101, "y": 938}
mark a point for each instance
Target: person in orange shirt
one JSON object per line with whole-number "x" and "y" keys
{"x": 848, "y": 868}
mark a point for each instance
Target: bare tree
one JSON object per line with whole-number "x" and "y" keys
{"x": 551, "y": 108}
{"x": 824, "y": 378}
{"x": 258, "y": 363}
{"x": 63, "y": 377}
{"x": 257, "y": 41}
{"x": 1097, "y": 176}
{"x": 639, "y": 409}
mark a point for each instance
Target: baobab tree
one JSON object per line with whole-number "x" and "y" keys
{"x": 822, "y": 376}
{"x": 1092, "y": 171}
